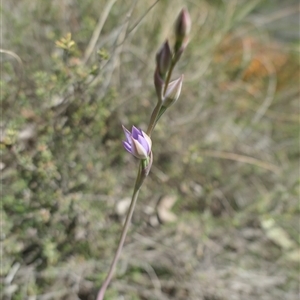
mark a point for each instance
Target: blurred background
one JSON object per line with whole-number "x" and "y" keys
{"x": 218, "y": 216}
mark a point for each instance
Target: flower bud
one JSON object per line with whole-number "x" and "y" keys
{"x": 137, "y": 143}
{"x": 159, "y": 84}
{"x": 164, "y": 59}
{"x": 173, "y": 92}
{"x": 182, "y": 29}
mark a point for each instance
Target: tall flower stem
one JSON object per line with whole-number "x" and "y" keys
{"x": 138, "y": 143}
{"x": 138, "y": 183}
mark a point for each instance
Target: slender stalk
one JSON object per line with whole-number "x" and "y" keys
{"x": 138, "y": 183}
{"x": 156, "y": 112}
{"x": 169, "y": 76}
{"x": 153, "y": 118}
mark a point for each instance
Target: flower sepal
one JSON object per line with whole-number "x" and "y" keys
{"x": 144, "y": 170}
{"x": 173, "y": 92}
{"x": 147, "y": 164}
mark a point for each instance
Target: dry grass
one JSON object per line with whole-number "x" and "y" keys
{"x": 228, "y": 151}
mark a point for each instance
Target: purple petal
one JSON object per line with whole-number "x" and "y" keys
{"x": 127, "y": 146}
{"x": 127, "y": 134}
{"x": 135, "y": 132}
{"x": 144, "y": 144}
{"x": 148, "y": 140}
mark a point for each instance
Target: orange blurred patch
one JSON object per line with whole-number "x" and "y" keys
{"x": 255, "y": 69}
{"x": 262, "y": 60}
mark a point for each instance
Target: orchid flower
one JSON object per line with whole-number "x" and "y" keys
{"x": 137, "y": 143}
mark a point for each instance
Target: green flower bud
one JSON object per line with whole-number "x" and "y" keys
{"x": 172, "y": 92}
{"x": 164, "y": 59}
{"x": 182, "y": 29}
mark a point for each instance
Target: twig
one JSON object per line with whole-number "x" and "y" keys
{"x": 243, "y": 159}
{"x": 142, "y": 17}
{"x": 20, "y": 74}
{"x": 283, "y": 13}
{"x": 97, "y": 31}
{"x": 11, "y": 274}
{"x": 270, "y": 92}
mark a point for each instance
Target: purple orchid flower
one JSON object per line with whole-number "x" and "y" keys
{"x": 138, "y": 143}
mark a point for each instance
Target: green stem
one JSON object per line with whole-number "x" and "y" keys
{"x": 169, "y": 76}
{"x": 137, "y": 186}
{"x": 156, "y": 114}
{"x": 153, "y": 118}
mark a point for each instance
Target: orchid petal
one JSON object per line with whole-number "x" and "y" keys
{"x": 139, "y": 150}
{"x": 135, "y": 132}
{"x": 147, "y": 138}
{"x": 127, "y": 146}
{"x": 144, "y": 143}
{"x": 127, "y": 134}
